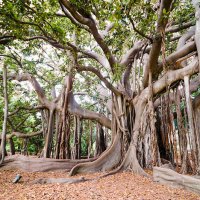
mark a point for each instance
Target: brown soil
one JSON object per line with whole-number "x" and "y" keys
{"x": 120, "y": 186}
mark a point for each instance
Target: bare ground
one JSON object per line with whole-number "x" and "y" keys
{"x": 119, "y": 186}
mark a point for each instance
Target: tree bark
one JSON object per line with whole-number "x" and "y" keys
{"x": 196, "y": 4}
{"x": 190, "y": 114}
{"x": 31, "y": 164}
{"x": 12, "y": 146}
{"x": 3, "y": 138}
{"x": 170, "y": 177}
{"x": 49, "y": 136}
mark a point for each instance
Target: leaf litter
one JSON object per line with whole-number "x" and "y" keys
{"x": 121, "y": 186}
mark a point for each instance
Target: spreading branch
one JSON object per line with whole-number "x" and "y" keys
{"x": 105, "y": 32}
{"x": 72, "y": 19}
{"x": 98, "y": 73}
{"x": 23, "y": 135}
{"x": 179, "y": 27}
{"x": 40, "y": 92}
{"x": 128, "y": 58}
{"x": 5, "y": 39}
{"x": 157, "y": 40}
{"x": 91, "y": 54}
{"x": 170, "y": 77}
{"x": 181, "y": 52}
{"x": 89, "y": 21}
{"x": 25, "y": 108}
{"x": 75, "y": 109}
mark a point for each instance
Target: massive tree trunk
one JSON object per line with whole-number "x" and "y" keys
{"x": 130, "y": 121}
{"x": 126, "y": 128}
{"x": 135, "y": 138}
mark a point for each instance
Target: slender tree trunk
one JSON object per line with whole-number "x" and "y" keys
{"x": 80, "y": 132}
{"x": 12, "y": 146}
{"x": 190, "y": 114}
{"x": 45, "y": 120}
{"x": 74, "y": 153}
{"x": 3, "y": 138}
{"x": 100, "y": 140}
{"x": 49, "y": 136}
{"x": 90, "y": 142}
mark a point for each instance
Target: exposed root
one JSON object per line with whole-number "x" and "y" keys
{"x": 107, "y": 161}
{"x": 59, "y": 180}
{"x": 131, "y": 162}
{"x": 170, "y": 177}
{"x": 112, "y": 172}
{"x": 31, "y": 164}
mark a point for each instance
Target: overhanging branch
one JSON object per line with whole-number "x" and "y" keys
{"x": 75, "y": 109}
{"x": 23, "y": 135}
{"x": 98, "y": 73}
{"x": 179, "y": 27}
{"x": 89, "y": 21}
{"x": 38, "y": 89}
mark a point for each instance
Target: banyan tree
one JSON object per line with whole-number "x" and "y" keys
{"x": 144, "y": 59}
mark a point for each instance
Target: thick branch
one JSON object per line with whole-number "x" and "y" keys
{"x": 98, "y": 73}
{"x": 185, "y": 37}
{"x": 93, "y": 29}
{"x": 103, "y": 46}
{"x": 104, "y": 33}
{"x": 5, "y": 39}
{"x": 23, "y": 135}
{"x": 75, "y": 109}
{"x": 27, "y": 77}
{"x": 179, "y": 27}
{"x": 157, "y": 41}
{"x": 128, "y": 58}
{"x": 81, "y": 19}
{"x": 184, "y": 51}
{"x": 170, "y": 77}
{"x": 72, "y": 19}
{"x": 99, "y": 58}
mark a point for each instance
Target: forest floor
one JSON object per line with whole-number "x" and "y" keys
{"x": 120, "y": 186}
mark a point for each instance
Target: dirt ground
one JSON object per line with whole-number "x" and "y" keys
{"x": 120, "y": 186}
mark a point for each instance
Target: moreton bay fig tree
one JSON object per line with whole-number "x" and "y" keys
{"x": 137, "y": 62}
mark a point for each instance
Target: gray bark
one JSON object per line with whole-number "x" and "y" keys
{"x": 170, "y": 177}
{"x": 3, "y": 138}
{"x": 196, "y": 4}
